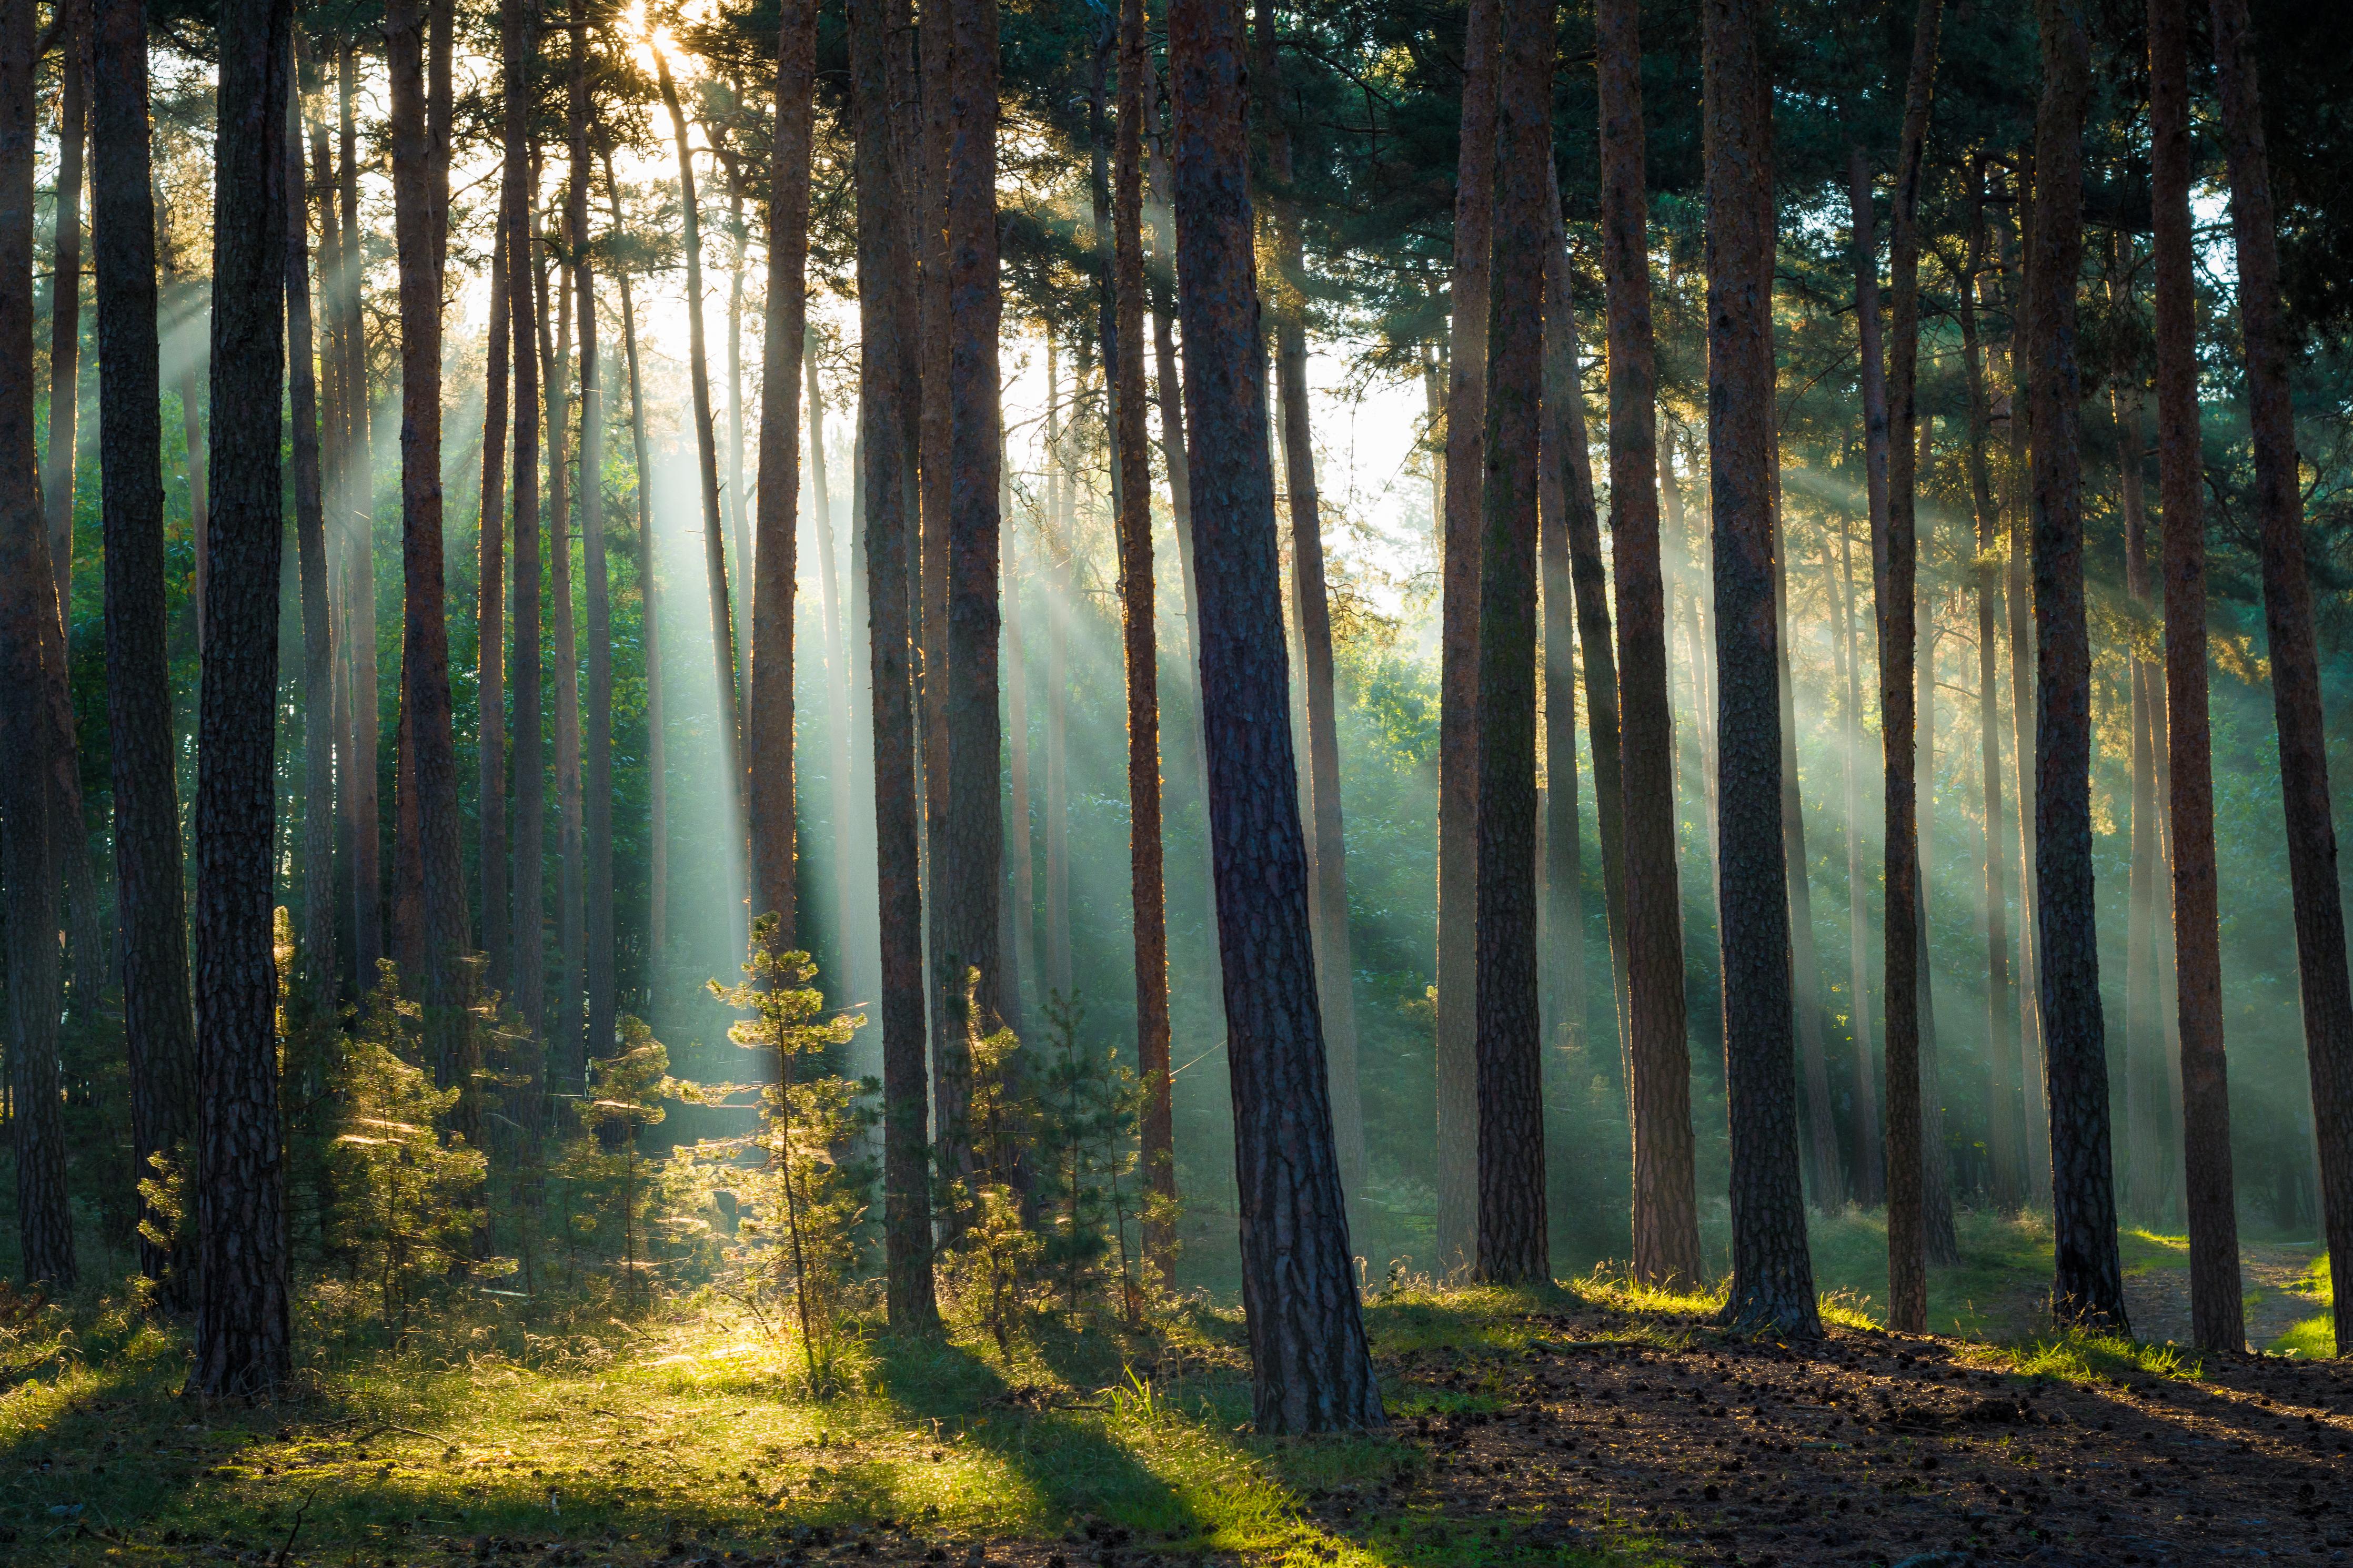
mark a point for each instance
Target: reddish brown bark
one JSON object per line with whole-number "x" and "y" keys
{"x": 528, "y": 988}
{"x": 490, "y": 610}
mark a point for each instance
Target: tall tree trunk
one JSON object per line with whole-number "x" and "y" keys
{"x": 924, "y": 96}
{"x": 1942, "y": 1243}
{"x": 886, "y": 351}
{"x": 2217, "y": 1317}
{"x": 1146, "y": 884}
{"x": 1560, "y": 924}
{"x": 72, "y": 22}
{"x": 2296, "y": 671}
{"x": 1019, "y": 850}
{"x": 739, "y": 525}
{"x": 566, "y": 1061}
{"x": 489, "y": 612}
{"x": 650, "y": 622}
{"x": 27, "y": 598}
{"x": 1458, "y": 746}
{"x": 597, "y": 783}
{"x": 1589, "y": 585}
{"x": 1772, "y": 1278}
{"x": 242, "y": 1339}
{"x": 1311, "y": 1369}
{"x": 784, "y": 338}
{"x": 365, "y": 745}
{"x": 159, "y": 1034}
{"x": 318, "y": 852}
{"x": 1895, "y": 556}
{"x": 2002, "y": 1154}
{"x": 1868, "y": 1174}
{"x": 528, "y": 989}
{"x": 424, "y": 644}
{"x": 2088, "y": 1285}
{"x": 1514, "y": 1242}
{"x": 1666, "y": 1205}
{"x": 971, "y": 855}
{"x": 1312, "y": 610}
{"x": 714, "y": 548}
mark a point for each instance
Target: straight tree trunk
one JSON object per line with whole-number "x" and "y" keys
{"x": 2001, "y": 1110}
{"x": 2327, "y": 994}
{"x": 1772, "y": 1277}
{"x": 1896, "y": 556}
{"x": 1560, "y": 924}
{"x": 971, "y": 855}
{"x": 1146, "y": 883}
{"x": 887, "y": 315}
{"x": 528, "y": 990}
{"x": 1825, "y": 1176}
{"x": 1666, "y": 1205}
{"x": 242, "y": 1335}
{"x": 72, "y": 22}
{"x": 317, "y": 851}
{"x": 923, "y": 193}
{"x": 1514, "y": 1238}
{"x": 714, "y": 548}
{"x": 365, "y": 745}
{"x": 1936, "y": 1177}
{"x": 738, "y": 523}
{"x": 491, "y": 609}
{"x": 657, "y": 765}
{"x": 1868, "y": 1176}
{"x": 425, "y": 645}
{"x": 786, "y": 334}
{"x": 597, "y": 783}
{"x": 159, "y": 1034}
{"x": 2218, "y": 1318}
{"x": 1019, "y": 850}
{"x": 27, "y": 598}
{"x": 1458, "y": 724}
{"x": 566, "y": 1060}
{"x": 2088, "y": 1285}
{"x": 1311, "y": 1368}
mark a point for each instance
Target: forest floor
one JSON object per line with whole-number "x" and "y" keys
{"x": 1591, "y": 1426}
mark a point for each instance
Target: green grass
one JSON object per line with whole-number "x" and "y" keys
{"x": 1987, "y": 1296}
{"x": 2313, "y": 1337}
{"x": 689, "y": 1425}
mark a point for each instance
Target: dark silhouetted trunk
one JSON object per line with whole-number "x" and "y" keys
{"x": 491, "y": 612}
{"x": 2217, "y": 1312}
{"x": 2088, "y": 1285}
{"x": 27, "y": 598}
{"x": 596, "y": 782}
{"x": 1457, "y": 743}
{"x": 1312, "y": 1371}
{"x": 1513, "y": 1243}
{"x": 566, "y": 1060}
{"x": 317, "y": 941}
{"x": 1772, "y": 1278}
{"x": 1866, "y": 1175}
{"x": 2271, "y": 347}
{"x": 528, "y": 989}
{"x": 72, "y": 22}
{"x": 785, "y": 337}
{"x": 159, "y": 1034}
{"x": 887, "y": 317}
{"x": 1560, "y": 926}
{"x": 363, "y": 703}
{"x": 1666, "y": 1207}
{"x": 242, "y": 1335}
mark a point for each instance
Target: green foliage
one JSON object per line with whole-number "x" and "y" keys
{"x": 612, "y": 1197}
{"x": 1085, "y": 1111}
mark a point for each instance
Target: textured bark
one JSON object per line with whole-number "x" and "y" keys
{"x": 1019, "y": 852}
{"x": 927, "y": 55}
{"x": 971, "y": 856}
{"x": 72, "y": 22}
{"x": 656, "y": 767}
{"x": 1560, "y": 924}
{"x": 1772, "y": 1278}
{"x": 1666, "y": 1207}
{"x": 2218, "y": 1315}
{"x": 317, "y": 941}
{"x": 490, "y": 619}
{"x": 2088, "y": 1285}
{"x": 1311, "y": 1369}
{"x": 1514, "y": 1242}
{"x": 424, "y": 644}
{"x": 440, "y": 39}
{"x": 528, "y": 988}
{"x": 27, "y": 597}
{"x": 2271, "y": 345}
{"x": 738, "y": 523}
{"x": 242, "y": 1333}
{"x": 1168, "y": 389}
{"x": 886, "y": 315}
{"x": 1147, "y": 890}
{"x": 1867, "y": 1175}
{"x": 1457, "y": 723}
{"x": 2002, "y": 1156}
{"x": 159, "y": 1032}
{"x": 566, "y": 1060}
{"x": 596, "y": 777}
{"x": 1893, "y": 584}
{"x": 769, "y": 739}
{"x": 364, "y": 704}
{"x": 706, "y": 449}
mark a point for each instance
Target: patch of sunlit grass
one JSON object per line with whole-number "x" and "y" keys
{"x": 2077, "y": 1354}
{"x": 2313, "y": 1339}
{"x": 1613, "y": 1287}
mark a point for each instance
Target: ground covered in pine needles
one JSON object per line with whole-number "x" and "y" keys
{"x": 1592, "y": 1425}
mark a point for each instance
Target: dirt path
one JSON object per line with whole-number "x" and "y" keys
{"x": 2158, "y": 1296}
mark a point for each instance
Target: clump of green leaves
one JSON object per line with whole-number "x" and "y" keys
{"x": 809, "y": 1197}
{"x": 607, "y": 1183}
{"x": 1086, "y": 1120}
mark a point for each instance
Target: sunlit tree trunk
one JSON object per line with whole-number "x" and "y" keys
{"x": 596, "y": 782}
{"x": 318, "y": 850}
{"x": 2217, "y": 1312}
{"x": 565, "y": 1062}
{"x": 2270, "y": 347}
{"x": 242, "y": 1337}
{"x": 27, "y": 597}
{"x": 2088, "y": 1284}
{"x": 1666, "y": 1208}
{"x": 364, "y": 705}
{"x": 1311, "y": 1369}
{"x": 159, "y": 1034}
{"x": 1458, "y": 773}
{"x": 528, "y": 989}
